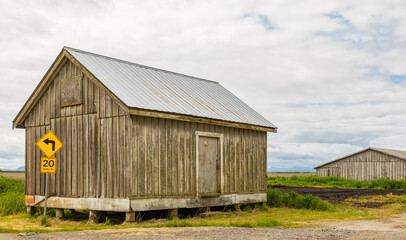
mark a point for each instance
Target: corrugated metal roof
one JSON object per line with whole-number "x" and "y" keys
{"x": 395, "y": 153}
{"x": 149, "y": 88}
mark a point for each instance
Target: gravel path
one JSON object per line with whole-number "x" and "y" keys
{"x": 383, "y": 229}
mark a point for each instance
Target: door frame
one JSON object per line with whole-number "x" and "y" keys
{"x": 214, "y": 135}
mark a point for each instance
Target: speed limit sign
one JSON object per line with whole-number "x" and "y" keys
{"x": 48, "y": 165}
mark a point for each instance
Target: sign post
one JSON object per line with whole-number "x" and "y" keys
{"x": 49, "y": 145}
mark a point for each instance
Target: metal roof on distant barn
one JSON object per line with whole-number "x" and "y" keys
{"x": 149, "y": 88}
{"x": 394, "y": 153}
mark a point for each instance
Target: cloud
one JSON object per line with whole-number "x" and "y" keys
{"x": 329, "y": 74}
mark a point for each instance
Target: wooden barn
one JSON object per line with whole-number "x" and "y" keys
{"x": 138, "y": 138}
{"x": 368, "y": 164}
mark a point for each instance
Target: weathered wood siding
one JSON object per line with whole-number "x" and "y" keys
{"x": 108, "y": 153}
{"x": 367, "y": 165}
{"x": 164, "y": 158}
{"x": 95, "y": 133}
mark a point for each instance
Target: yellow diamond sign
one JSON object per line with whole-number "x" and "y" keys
{"x": 49, "y": 144}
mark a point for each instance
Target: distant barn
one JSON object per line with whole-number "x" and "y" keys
{"x": 368, "y": 164}
{"x": 138, "y": 138}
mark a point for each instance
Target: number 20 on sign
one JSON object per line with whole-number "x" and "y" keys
{"x": 48, "y": 165}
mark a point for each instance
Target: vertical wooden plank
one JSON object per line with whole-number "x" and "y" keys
{"x": 103, "y": 149}
{"x": 233, "y": 167}
{"x": 42, "y": 175}
{"x": 162, "y": 156}
{"x": 108, "y": 103}
{"x": 245, "y": 159}
{"x": 237, "y": 160}
{"x": 193, "y": 168}
{"x": 114, "y": 108}
{"x": 148, "y": 156}
{"x": 62, "y": 156}
{"x": 265, "y": 157}
{"x": 258, "y": 166}
{"x": 85, "y": 93}
{"x": 175, "y": 153}
{"x": 123, "y": 148}
{"x": 91, "y": 157}
{"x": 128, "y": 156}
{"x": 31, "y": 167}
{"x": 37, "y": 162}
{"x": 57, "y": 96}
{"x": 155, "y": 156}
{"x": 42, "y": 107}
{"x": 85, "y": 154}
{"x": 102, "y": 103}
{"x": 141, "y": 157}
{"x": 52, "y": 104}
{"x": 53, "y": 177}
{"x": 81, "y": 145}
{"x": 96, "y": 97}
{"x": 109, "y": 158}
{"x": 89, "y": 95}
{"x": 169, "y": 157}
{"x": 227, "y": 160}
{"x": 27, "y": 166}
{"x": 74, "y": 156}
{"x": 187, "y": 168}
{"x": 181, "y": 157}
{"x": 115, "y": 157}
{"x": 95, "y": 157}
{"x": 135, "y": 155}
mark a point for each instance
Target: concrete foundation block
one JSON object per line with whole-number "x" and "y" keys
{"x": 130, "y": 216}
{"x": 59, "y": 213}
{"x": 31, "y": 210}
{"x": 96, "y": 216}
{"x": 173, "y": 214}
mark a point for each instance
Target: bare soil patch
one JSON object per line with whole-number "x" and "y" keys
{"x": 289, "y": 174}
{"x": 18, "y": 175}
{"x": 336, "y": 195}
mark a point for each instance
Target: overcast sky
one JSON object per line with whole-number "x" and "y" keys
{"x": 331, "y": 75}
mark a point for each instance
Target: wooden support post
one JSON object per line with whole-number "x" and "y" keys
{"x": 59, "y": 213}
{"x": 237, "y": 207}
{"x": 173, "y": 213}
{"x": 30, "y": 210}
{"x": 130, "y": 216}
{"x": 94, "y": 216}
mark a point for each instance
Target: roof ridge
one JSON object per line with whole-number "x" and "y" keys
{"x": 137, "y": 64}
{"x": 388, "y": 149}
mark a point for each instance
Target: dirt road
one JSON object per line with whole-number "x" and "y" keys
{"x": 383, "y": 229}
{"x": 289, "y": 174}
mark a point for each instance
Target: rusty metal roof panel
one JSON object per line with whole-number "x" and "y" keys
{"x": 149, "y": 88}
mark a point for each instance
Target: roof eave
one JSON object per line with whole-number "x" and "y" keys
{"x": 191, "y": 118}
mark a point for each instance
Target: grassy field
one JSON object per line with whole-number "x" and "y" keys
{"x": 11, "y": 196}
{"x": 287, "y": 210}
{"x": 13, "y": 174}
{"x": 337, "y": 182}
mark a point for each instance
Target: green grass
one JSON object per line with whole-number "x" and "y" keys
{"x": 11, "y": 196}
{"x": 275, "y": 198}
{"x": 337, "y": 182}
{"x": 287, "y": 210}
